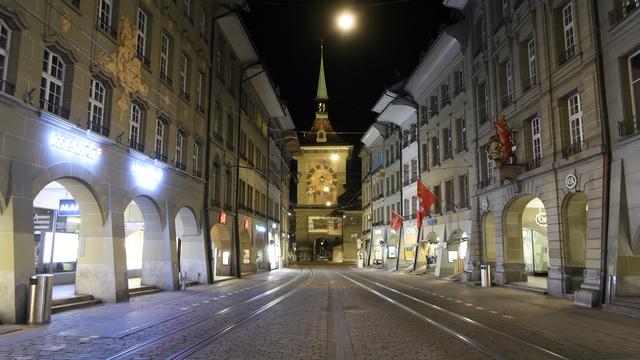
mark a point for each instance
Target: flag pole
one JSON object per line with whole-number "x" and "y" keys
{"x": 399, "y": 246}
{"x": 415, "y": 256}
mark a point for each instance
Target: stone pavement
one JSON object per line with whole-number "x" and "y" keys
{"x": 329, "y": 316}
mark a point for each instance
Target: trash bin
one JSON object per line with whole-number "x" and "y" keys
{"x": 40, "y": 291}
{"x": 485, "y": 275}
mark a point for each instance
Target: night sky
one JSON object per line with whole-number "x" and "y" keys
{"x": 385, "y": 47}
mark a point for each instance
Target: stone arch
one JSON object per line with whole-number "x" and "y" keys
{"x": 574, "y": 240}
{"x": 158, "y": 254}
{"x": 489, "y": 237}
{"x": 222, "y": 250}
{"x": 190, "y": 243}
{"x": 512, "y": 229}
{"x": 247, "y": 255}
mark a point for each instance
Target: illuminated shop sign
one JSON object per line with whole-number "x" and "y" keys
{"x": 146, "y": 176}
{"x": 541, "y": 219}
{"x": 75, "y": 146}
{"x": 68, "y": 207}
{"x": 246, "y": 223}
{"x": 223, "y": 218}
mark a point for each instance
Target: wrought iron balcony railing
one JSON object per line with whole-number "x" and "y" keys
{"x": 54, "y": 108}
{"x": 621, "y": 11}
{"x": 99, "y": 128}
{"x": 566, "y": 55}
{"x": 166, "y": 79}
{"x": 102, "y": 24}
{"x": 573, "y": 149}
{"x": 181, "y": 166}
{"x": 7, "y": 87}
{"x": 160, "y": 156}
{"x": 145, "y": 60}
{"x": 628, "y": 128}
{"x": 135, "y": 145}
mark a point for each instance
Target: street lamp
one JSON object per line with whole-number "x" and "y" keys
{"x": 345, "y": 21}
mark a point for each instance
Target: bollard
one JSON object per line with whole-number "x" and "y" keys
{"x": 485, "y": 275}
{"x": 40, "y": 292}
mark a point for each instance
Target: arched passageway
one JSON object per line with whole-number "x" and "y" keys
{"x": 71, "y": 241}
{"x": 191, "y": 251}
{"x": 526, "y": 245}
{"x": 150, "y": 256}
{"x": 247, "y": 260}
{"x": 222, "y": 251}
{"x": 574, "y": 211}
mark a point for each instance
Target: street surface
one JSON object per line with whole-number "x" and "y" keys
{"x": 324, "y": 311}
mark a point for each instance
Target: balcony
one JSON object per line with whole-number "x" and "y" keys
{"x": 628, "y": 128}
{"x": 107, "y": 28}
{"x": 133, "y": 144}
{"x": 181, "y": 166}
{"x": 619, "y": 12}
{"x": 99, "y": 128}
{"x": 145, "y": 60}
{"x": 166, "y": 79}
{"x": 185, "y": 95}
{"x": 160, "y": 156}
{"x": 573, "y": 149}
{"x": 566, "y": 55}
{"x": 54, "y": 108}
{"x": 7, "y": 87}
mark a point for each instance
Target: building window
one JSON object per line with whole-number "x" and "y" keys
{"x": 159, "y": 141}
{"x": 449, "y": 200}
{"x": 425, "y": 156}
{"x": 228, "y": 188}
{"x": 568, "y": 34}
{"x": 187, "y": 11}
{"x": 199, "y": 92}
{"x": 165, "y": 47}
{"x": 433, "y": 106}
{"x": 52, "y": 84}
{"x": 406, "y": 174}
{"x": 195, "y": 165}
{"x": 438, "y": 204}
{"x": 575, "y": 120}
{"x": 507, "y": 84}
{"x": 414, "y": 170}
{"x": 630, "y": 124}
{"x": 435, "y": 150}
{"x": 407, "y": 211}
{"x": 105, "y": 16}
{"x": 486, "y": 168}
{"x": 217, "y": 178}
{"x": 531, "y": 60}
{"x": 536, "y": 140}
{"x": 444, "y": 91}
{"x": 203, "y": 25}
{"x": 141, "y": 36}
{"x": 232, "y": 76}
{"x": 448, "y": 143}
{"x": 458, "y": 82}
{"x": 463, "y": 183}
{"x": 179, "y": 152}
{"x": 97, "y": 98}
{"x": 135, "y": 124}
{"x": 230, "y": 130}
{"x": 461, "y": 136}
{"x": 505, "y": 9}
{"x": 483, "y": 102}
{"x": 218, "y": 119}
{"x": 5, "y": 42}
{"x": 184, "y": 77}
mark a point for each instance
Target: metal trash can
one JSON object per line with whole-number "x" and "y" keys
{"x": 40, "y": 292}
{"x": 485, "y": 275}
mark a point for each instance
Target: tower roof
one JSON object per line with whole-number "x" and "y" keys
{"x": 322, "y": 84}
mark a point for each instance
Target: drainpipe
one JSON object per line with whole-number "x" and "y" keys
{"x": 207, "y": 167}
{"x": 400, "y": 210}
{"x": 605, "y": 133}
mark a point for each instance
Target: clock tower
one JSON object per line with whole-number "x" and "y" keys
{"x": 322, "y": 166}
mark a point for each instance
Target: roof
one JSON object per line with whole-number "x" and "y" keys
{"x": 321, "y": 94}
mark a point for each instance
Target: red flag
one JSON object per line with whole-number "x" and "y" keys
{"x": 425, "y": 200}
{"x": 396, "y": 221}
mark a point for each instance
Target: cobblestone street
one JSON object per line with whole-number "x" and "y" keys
{"x": 330, "y": 312}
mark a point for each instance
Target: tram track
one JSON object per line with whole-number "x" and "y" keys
{"x": 403, "y": 300}
{"x": 215, "y": 335}
{"x": 144, "y": 345}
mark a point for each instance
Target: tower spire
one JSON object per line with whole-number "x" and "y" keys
{"x": 322, "y": 85}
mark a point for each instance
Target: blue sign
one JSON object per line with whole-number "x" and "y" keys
{"x": 68, "y": 208}
{"x": 432, "y": 221}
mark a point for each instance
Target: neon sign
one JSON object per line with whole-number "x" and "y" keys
{"x": 74, "y": 146}
{"x": 146, "y": 176}
{"x": 68, "y": 207}
{"x": 223, "y": 218}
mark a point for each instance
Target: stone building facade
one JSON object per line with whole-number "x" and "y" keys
{"x": 105, "y": 108}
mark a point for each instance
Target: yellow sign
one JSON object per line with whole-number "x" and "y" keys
{"x": 408, "y": 253}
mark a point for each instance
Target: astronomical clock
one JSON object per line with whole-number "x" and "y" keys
{"x": 321, "y": 182}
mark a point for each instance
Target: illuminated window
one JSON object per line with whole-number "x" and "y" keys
{"x": 225, "y": 257}
{"x": 97, "y": 93}
{"x": 52, "y": 83}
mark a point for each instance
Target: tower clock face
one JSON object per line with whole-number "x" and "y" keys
{"x": 321, "y": 182}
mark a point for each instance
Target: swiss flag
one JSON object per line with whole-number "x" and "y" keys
{"x": 396, "y": 221}
{"x": 425, "y": 200}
